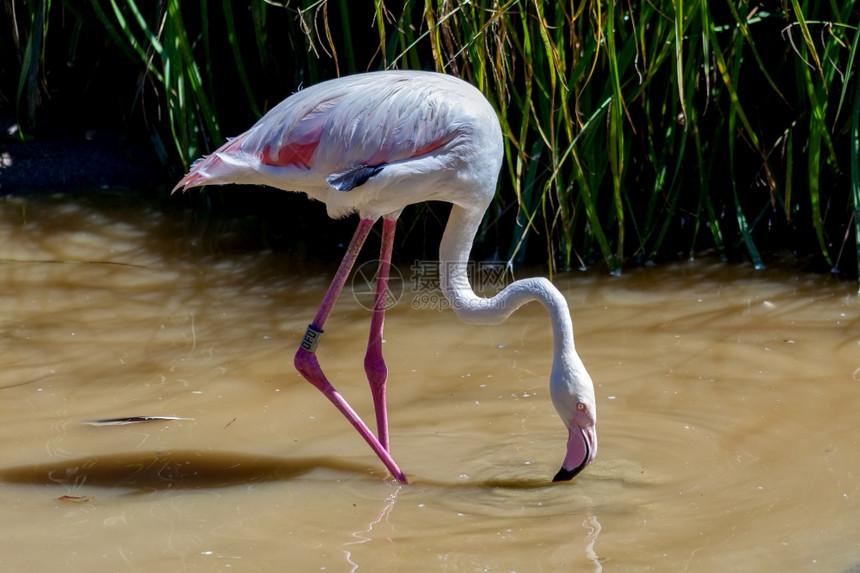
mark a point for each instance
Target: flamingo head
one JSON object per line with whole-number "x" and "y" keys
{"x": 573, "y": 397}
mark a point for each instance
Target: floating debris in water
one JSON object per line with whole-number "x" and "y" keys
{"x": 133, "y": 420}
{"x": 76, "y": 498}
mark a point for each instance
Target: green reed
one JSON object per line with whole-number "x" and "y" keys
{"x": 634, "y": 131}
{"x": 630, "y": 125}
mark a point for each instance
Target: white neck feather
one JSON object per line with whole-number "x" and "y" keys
{"x": 569, "y": 381}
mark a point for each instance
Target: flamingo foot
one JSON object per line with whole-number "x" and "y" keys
{"x": 307, "y": 364}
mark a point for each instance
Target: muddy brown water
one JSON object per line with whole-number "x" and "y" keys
{"x": 728, "y": 405}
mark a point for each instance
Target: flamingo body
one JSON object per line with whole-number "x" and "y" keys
{"x": 374, "y": 143}
{"x": 421, "y": 127}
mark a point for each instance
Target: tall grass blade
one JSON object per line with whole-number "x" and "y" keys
{"x": 28, "y": 80}
{"x": 855, "y": 175}
{"x": 736, "y": 113}
{"x": 232, "y": 39}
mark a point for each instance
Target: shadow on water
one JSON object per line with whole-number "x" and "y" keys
{"x": 181, "y": 469}
{"x": 192, "y": 469}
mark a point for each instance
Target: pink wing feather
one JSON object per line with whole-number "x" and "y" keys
{"x": 335, "y": 126}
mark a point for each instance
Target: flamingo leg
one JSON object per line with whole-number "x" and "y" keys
{"x": 306, "y": 361}
{"x": 374, "y": 364}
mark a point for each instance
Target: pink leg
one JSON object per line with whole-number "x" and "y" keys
{"x": 306, "y": 360}
{"x": 374, "y": 365}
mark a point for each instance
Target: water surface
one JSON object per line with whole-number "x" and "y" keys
{"x": 727, "y": 403}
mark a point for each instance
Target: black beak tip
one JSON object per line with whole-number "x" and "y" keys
{"x": 567, "y": 475}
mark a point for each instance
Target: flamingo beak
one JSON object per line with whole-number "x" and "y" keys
{"x": 581, "y": 449}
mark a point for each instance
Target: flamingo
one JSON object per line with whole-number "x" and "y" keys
{"x": 374, "y": 143}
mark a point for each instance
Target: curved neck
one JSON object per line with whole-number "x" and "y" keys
{"x": 454, "y": 251}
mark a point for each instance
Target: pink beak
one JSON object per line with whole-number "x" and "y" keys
{"x": 581, "y": 449}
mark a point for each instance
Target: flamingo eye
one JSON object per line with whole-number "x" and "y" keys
{"x": 580, "y": 407}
